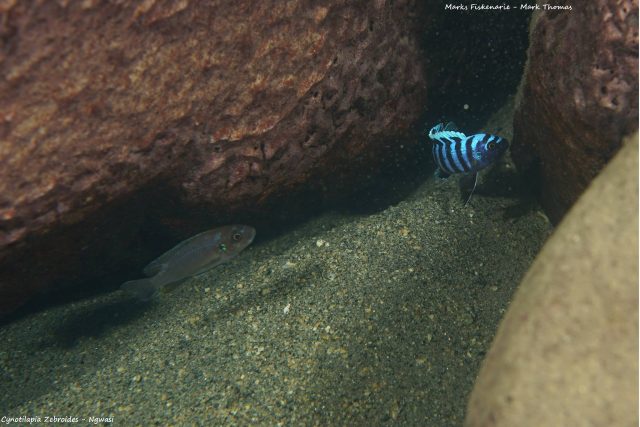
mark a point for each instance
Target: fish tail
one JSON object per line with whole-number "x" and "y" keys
{"x": 144, "y": 289}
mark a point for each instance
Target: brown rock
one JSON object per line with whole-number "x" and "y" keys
{"x": 566, "y": 352}
{"x": 579, "y": 96}
{"x": 222, "y": 105}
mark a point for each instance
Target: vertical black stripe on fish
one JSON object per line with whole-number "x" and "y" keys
{"x": 469, "y": 153}
{"x": 450, "y": 154}
{"x": 446, "y": 158}
{"x": 442, "y": 160}
{"x": 464, "y": 154}
{"x": 457, "y": 147}
{"x": 437, "y": 156}
{"x": 451, "y": 159}
{"x": 434, "y": 153}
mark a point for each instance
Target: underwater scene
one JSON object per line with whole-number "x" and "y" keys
{"x": 319, "y": 213}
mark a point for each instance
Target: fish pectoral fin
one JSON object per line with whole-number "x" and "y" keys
{"x": 143, "y": 289}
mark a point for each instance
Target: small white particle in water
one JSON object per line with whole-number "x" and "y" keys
{"x": 319, "y": 242}
{"x": 465, "y": 106}
{"x": 286, "y": 309}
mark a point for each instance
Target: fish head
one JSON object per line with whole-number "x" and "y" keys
{"x": 490, "y": 150}
{"x": 234, "y": 238}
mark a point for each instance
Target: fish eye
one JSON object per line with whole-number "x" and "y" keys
{"x": 236, "y": 237}
{"x": 491, "y": 145}
{"x": 222, "y": 247}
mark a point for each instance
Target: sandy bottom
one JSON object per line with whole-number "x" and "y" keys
{"x": 344, "y": 320}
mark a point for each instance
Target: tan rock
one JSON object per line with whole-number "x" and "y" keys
{"x": 566, "y": 353}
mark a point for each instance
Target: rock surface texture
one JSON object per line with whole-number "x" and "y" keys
{"x": 566, "y": 353}
{"x": 579, "y": 96}
{"x": 223, "y": 105}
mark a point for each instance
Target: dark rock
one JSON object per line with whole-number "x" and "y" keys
{"x": 579, "y": 96}
{"x": 109, "y": 110}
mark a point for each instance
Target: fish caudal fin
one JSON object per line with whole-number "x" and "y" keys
{"x": 143, "y": 289}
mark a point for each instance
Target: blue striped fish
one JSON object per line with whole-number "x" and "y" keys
{"x": 454, "y": 152}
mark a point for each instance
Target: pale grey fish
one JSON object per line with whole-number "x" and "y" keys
{"x": 190, "y": 258}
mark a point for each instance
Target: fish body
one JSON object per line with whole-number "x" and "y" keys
{"x": 454, "y": 152}
{"x": 457, "y": 153}
{"x": 190, "y": 258}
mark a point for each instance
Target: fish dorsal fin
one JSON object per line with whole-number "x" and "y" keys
{"x": 447, "y": 137}
{"x": 451, "y": 127}
{"x": 449, "y": 132}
